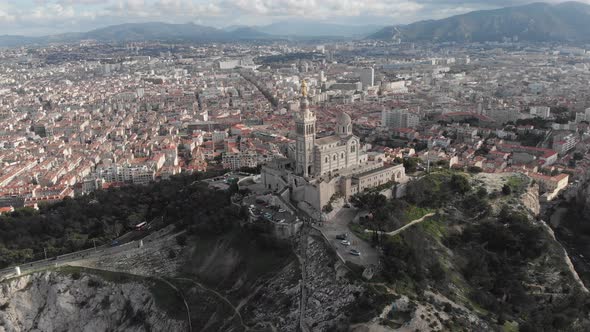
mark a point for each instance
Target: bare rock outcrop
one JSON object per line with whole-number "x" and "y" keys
{"x": 58, "y": 301}
{"x": 530, "y": 199}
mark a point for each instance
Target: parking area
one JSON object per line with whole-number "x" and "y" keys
{"x": 339, "y": 225}
{"x": 262, "y": 208}
{"x": 222, "y": 182}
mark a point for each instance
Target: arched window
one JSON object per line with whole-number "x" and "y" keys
{"x": 353, "y": 146}
{"x": 334, "y": 157}
{"x": 327, "y": 159}
{"x": 342, "y": 155}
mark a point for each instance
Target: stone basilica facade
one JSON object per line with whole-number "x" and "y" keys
{"x": 319, "y": 169}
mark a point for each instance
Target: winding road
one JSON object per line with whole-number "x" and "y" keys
{"x": 401, "y": 229}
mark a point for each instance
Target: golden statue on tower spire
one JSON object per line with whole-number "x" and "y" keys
{"x": 304, "y": 89}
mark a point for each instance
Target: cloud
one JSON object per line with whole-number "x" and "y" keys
{"x": 51, "y": 16}
{"x": 323, "y": 8}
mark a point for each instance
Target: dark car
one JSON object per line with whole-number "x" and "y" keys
{"x": 342, "y": 236}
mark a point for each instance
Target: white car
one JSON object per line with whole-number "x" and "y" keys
{"x": 345, "y": 242}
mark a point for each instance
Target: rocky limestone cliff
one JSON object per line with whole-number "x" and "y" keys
{"x": 58, "y": 301}
{"x": 530, "y": 199}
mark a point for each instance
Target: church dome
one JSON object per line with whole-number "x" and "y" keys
{"x": 343, "y": 125}
{"x": 344, "y": 119}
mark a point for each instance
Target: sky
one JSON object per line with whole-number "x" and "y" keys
{"x": 44, "y": 17}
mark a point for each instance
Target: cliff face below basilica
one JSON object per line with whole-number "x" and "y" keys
{"x": 570, "y": 219}
{"x": 73, "y": 300}
{"x": 530, "y": 199}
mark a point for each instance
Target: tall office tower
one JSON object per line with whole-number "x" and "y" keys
{"x": 367, "y": 77}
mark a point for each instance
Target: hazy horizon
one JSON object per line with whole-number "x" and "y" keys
{"x": 46, "y": 17}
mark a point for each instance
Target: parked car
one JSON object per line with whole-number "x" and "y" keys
{"x": 347, "y": 206}
{"x": 342, "y": 236}
{"x": 345, "y": 242}
{"x": 355, "y": 252}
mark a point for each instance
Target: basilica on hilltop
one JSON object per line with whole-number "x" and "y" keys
{"x": 320, "y": 169}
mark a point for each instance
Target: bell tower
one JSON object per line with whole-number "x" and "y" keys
{"x": 305, "y": 135}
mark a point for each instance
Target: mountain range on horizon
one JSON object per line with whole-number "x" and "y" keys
{"x": 536, "y": 22}
{"x": 190, "y": 32}
{"x": 568, "y": 21}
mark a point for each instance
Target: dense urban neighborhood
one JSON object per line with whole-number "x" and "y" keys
{"x": 79, "y": 118}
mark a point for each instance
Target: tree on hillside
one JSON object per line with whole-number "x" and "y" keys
{"x": 75, "y": 224}
{"x": 369, "y": 201}
{"x": 460, "y": 184}
{"x": 410, "y": 164}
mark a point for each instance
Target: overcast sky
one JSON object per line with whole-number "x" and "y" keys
{"x": 40, "y": 17}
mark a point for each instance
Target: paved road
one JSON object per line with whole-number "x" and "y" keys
{"x": 339, "y": 225}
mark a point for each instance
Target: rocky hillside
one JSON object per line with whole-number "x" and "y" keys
{"x": 73, "y": 299}
{"x": 483, "y": 263}
{"x": 568, "y": 21}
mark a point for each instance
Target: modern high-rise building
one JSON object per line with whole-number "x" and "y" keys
{"x": 399, "y": 118}
{"x": 540, "y": 111}
{"x": 367, "y": 77}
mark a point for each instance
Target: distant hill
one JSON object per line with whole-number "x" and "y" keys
{"x": 11, "y": 41}
{"x": 188, "y": 32}
{"x": 568, "y": 21}
{"x": 155, "y": 31}
{"x": 249, "y": 33}
{"x": 317, "y": 29}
